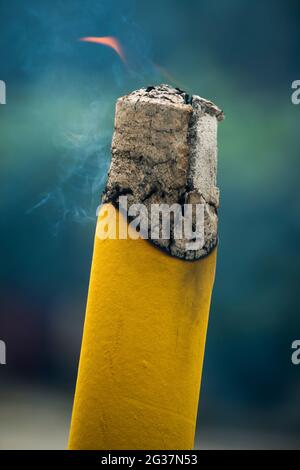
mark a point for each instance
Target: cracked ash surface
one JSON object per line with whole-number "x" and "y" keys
{"x": 164, "y": 151}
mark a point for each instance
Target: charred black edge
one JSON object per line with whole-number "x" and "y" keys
{"x": 167, "y": 252}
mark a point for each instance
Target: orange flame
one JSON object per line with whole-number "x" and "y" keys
{"x": 108, "y": 41}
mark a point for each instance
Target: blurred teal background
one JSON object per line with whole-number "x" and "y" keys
{"x": 55, "y": 149}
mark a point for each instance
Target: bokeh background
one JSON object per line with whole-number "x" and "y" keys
{"x": 55, "y": 149}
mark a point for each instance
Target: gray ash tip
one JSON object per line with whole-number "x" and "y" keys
{"x": 160, "y": 93}
{"x": 168, "y": 94}
{"x": 164, "y": 151}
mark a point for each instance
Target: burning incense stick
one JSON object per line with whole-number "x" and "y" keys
{"x": 147, "y": 313}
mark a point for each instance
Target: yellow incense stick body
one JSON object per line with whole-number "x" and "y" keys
{"x": 143, "y": 346}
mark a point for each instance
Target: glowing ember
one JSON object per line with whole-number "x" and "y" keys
{"x": 108, "y": 41}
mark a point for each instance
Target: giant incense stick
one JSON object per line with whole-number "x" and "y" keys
{"x": 149, "y": 296}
